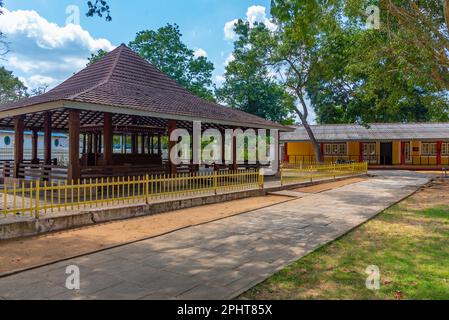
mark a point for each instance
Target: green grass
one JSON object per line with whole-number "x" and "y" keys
{"x": 409, "y": 245}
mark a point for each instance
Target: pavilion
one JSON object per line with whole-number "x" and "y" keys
{"x": 121, "y": 96}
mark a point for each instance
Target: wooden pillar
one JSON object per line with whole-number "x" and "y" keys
{"x": 95, "y": 147}
{"x": 171, "y": 144}
{"x": 84, "y": 143}
{"x": 108, "y": 138}
{"x": 47, "y": 138}
{"x": 159, "y": 144}
{"x": 19, "y": 128}
{"x": 234, "y": 154}
{"x": 89, "y": 143}
{"x": 142, "y": 143}
{"x": 133, "y": 143}
{"x": 74, "y": 146}
{"x": 34, "y": 142}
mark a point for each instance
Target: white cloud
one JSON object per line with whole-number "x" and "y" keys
{"x": 253, "y": 14}
{"x": 43, "y": 52}
{"x": 229, "y": 30}
{"x": 200, "y": 53}
{"x": 219, "y": 80}
{"x": 259, "y": 14}
{"x": 229, "y": 59}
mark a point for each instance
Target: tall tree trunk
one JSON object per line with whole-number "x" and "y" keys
{"x": 315, "y": 144}
{"x": 303, "y": 116}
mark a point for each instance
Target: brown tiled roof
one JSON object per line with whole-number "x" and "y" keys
{"x": 123, "y": 79}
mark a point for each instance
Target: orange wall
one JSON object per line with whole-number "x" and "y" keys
{"x": 305, "y": 149}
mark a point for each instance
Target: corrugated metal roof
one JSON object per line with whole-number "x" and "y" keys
{"x": 390, "y": 131}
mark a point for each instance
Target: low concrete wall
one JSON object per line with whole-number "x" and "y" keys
{"x": 43, "y": 225}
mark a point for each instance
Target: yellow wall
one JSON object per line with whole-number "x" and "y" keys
{"x": 304, "y": 150}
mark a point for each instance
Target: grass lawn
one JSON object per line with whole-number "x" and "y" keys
{"x": 408, "y": 242}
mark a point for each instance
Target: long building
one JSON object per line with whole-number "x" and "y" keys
{"x": 414, "y": 145}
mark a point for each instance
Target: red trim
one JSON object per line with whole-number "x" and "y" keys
{"x": 286, "y": 157}
{"x": 361, "y": 152}
{"x": 402, "y": 152}
{"x": 322, "y": 151}
{"x": 439, "y": 149}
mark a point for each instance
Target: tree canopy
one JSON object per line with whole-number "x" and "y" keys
{"x": 164, "y": 49}
{"x": 11, "y": 88}
{"x": 248, "y": 84}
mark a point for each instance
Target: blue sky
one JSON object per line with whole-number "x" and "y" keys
{"x": 44, "y": 50}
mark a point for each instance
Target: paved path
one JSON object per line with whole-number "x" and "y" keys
{"x": 222, "y": 259}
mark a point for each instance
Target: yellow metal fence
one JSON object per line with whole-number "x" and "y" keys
{"x": 301, "y": 173}
{"x": 36, "y": 198}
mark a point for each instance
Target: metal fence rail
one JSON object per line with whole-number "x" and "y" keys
{"x": 294, "y": 174}
{"x": 35, "y": 198}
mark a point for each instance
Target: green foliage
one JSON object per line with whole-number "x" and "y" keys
{"x": 248, "y": 84}
{"x": 94, "y": 57}
{"x": 11, "y": 88}
{"x": 164, "y": 49}
{"x": 351, "y": 74}
{"x": 99, "y": 8}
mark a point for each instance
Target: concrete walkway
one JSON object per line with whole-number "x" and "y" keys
{"x": 222, "y": 259}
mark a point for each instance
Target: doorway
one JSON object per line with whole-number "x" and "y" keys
{"x": 386, "y": 153}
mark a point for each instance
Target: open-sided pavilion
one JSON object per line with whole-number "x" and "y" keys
{"x": 121, "y": 96}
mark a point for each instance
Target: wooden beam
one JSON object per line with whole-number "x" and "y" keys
{"x": 133, "y": 143}
{"x": 159, "y": 144}
{"x": 34, "y": 142}
{"x": 171, "y": 144}
{"x": 108, "y": 138}
{"x": 74, "y": 173}
{"x": 234, "y": 153}
{"x": 142, "y": 143}
{"x": 19, "y": 128}
{"x": 47, "y": 138}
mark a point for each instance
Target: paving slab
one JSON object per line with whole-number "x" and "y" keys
{"x": 221, "y": 259}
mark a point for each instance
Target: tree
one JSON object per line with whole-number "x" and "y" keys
{"x": 292, "y": 50}
{"x": 423, "y": 27}
{"x": 248, "y": 85}
{"x": 359, "y": 78}
{"x": 11, "y": 88}
{"x": 99, "y": 8}
{"x": 4, "y": 48}
{"x": 164, "y": 49}
{"x": 94, "y": 57}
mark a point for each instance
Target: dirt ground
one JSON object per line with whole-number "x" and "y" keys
{"x": 432, "y": 195}
{"x": 35, "y": 251}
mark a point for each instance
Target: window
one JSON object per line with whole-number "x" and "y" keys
{"x": 369, "y": 149}
{"x": 335, "y": 149}
{"x": 429, "y": 148}
{"x": 445, "y": 149}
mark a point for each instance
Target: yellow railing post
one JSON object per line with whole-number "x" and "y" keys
{"x": 147, "y": 189}
{"x": 215, "y": 183}
{"x": 36, "y": 212}
{"x": 262, "y": 179}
